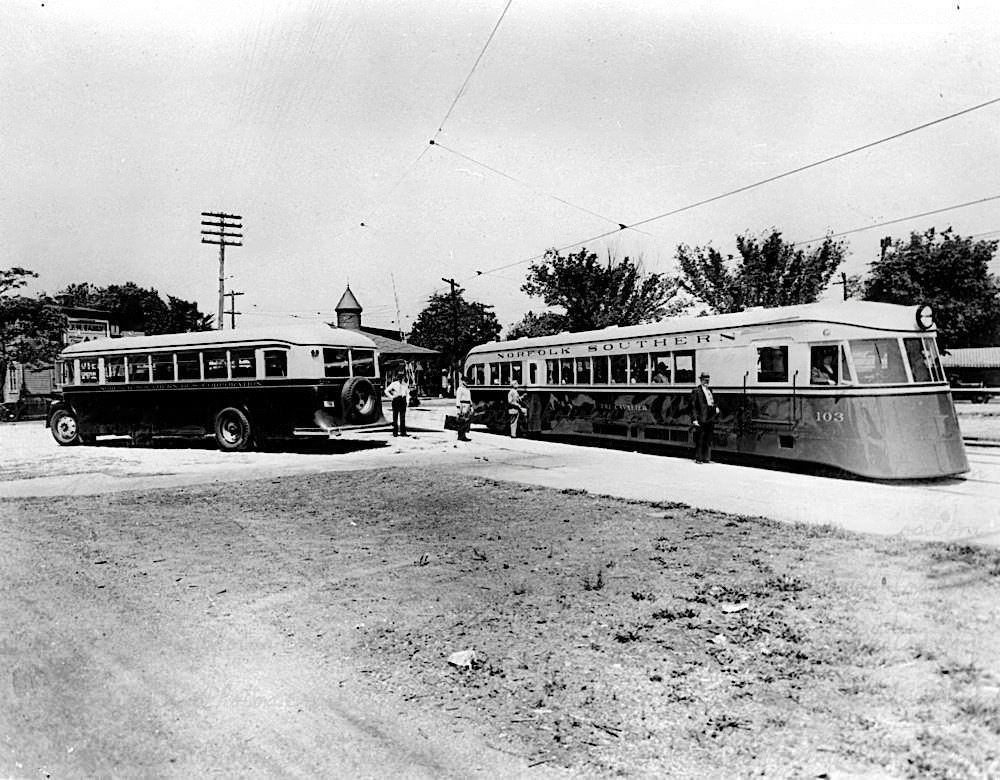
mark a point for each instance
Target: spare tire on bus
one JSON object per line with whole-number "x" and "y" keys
{"x": 360, "y": 402}
{"x": 232, "y": 430}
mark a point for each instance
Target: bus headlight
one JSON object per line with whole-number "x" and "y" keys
{"x": 925, "y": 317}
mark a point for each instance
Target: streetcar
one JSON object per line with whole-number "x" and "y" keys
{"x": 243, "y": 386}
{"x": 855, "y": 387}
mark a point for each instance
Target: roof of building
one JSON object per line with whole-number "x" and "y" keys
{"x": 348, "y": 302}
{"x": 972, "y": 357}
{"x": 389, "y": 346}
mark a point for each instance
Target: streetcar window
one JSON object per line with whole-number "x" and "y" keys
{"x": 480, "y": 374}
{"x": 276, "y": 362}
{"x": 683, "y": 367}
{"x": 823, "y": 365}
{"x": 242, "y": 363}
{"x": 494, "y": 373}
{"x": 504, "y": 373}
{"x": 661, "y": 368}
{"x": 638, "y": 369}
{"x": 335, "y": 363}
{"x": 552, "y": 372}
{"x": 583, "y": 371}
{"x": 216, "y": 365}
{"x": 188, "y": 365}
{"x": 362, "y": 362}
{"x": 601, "y": 370}
{"x": 516, "y": 373}
{"x": 923, "y": 360}
{"x": 163, "y": 367}
{"x": 138, "y": 368}
{"x": 533, "y": 373}
{"x": 619, "y": 369}
{"x": 566, "y": 371}
{"x": 772, "y": 364}
{"x": 878, "y": 361}
{"x": 88, "y": 371}
{"x": 114, "y": 369}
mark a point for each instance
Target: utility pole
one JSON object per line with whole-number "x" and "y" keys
{"x": 224, "y": 222}
{"x": 843, "y": 282}
{"x": 231, "y": 295}
{"x": 454, "y": 330}
{"x": 399, "y": 320}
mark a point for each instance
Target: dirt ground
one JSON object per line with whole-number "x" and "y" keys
{"x": 240, "y": 628}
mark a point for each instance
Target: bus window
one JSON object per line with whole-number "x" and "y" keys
{"x": 362, "y": 362}
{"x": 163, "y": 367}
{"x": 601, "y": 370}
{"x": 551, "y": 372}
{"x": 583, "y": 371}
{"x": 823, "y": 365}
{"x": 683, "y": 367}
{"x": 772, "y": 364}
{"x": 923, "y": 360}
{"x": 517, "y": 373}
{"x": 878, "y": 361}
{"x": 505, "y": 373}
{"x": 335, "y": 363}
{"x": 188, "y": 365}
{"x": 661, "y": 368}
{"x": 242, "y": 363}
{"x": 639, "y": 369}
{"x": 88, "y": 371}
{"x": 66, "y": 368}
{"x": 114, "y": 369}
{"x": 216, "y": 366}
{"x": 275, "y": 362}
{"x": 619, "y": 369}
{"x": 566, "y": 375}
{"x": 138, "y": 368}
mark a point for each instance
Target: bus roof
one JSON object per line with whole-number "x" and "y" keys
{"x": 880, "y": 316}
{"x": 299, "y": 335}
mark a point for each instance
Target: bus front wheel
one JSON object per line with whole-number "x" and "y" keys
{"x": 232, "y": 430}
{"x": 65, "y": 429}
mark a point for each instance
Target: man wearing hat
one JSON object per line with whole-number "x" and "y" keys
{"x": 703, "y": 414}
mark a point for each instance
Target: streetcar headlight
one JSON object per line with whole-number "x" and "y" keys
{"x": 925, "y": 317}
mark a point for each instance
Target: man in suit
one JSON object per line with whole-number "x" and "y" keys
{"x": 703, "y": 415}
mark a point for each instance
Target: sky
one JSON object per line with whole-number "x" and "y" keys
{"x": 122, "y": 120}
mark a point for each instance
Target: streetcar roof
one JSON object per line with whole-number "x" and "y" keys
{"x": 868, "y": 314}
{"x": 297, "y": 335}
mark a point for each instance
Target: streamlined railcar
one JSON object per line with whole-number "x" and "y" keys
{"x": 241, "y": 386}
{"x": 855, "y": 386}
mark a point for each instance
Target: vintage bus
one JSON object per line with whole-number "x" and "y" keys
{"x": 882, "y": 408}
{"x": 242, "y": 386}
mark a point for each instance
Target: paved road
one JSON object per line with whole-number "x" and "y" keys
{"x": 966, "y": 509}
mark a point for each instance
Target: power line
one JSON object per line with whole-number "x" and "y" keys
{"x": 475, "y": 65}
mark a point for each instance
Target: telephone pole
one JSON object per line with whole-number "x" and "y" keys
{"x": 454, "y": 330}
{"x": 843, "y": 281}
{"x": 224, "y": 223}
{"x": 231, "y": 295}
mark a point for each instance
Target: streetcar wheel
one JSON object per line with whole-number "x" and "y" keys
{"x": 65, "y": 429}
{"x": 232, "y": 430}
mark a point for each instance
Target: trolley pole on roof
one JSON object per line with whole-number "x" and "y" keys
{"x": 231, "y": 295}
{"x": 223, "y": 237}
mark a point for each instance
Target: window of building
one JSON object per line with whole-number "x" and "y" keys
{"x": 600, "y": 370}
{"x": 772, "y": 364}
{"x": 276, "y": 362}
{"x": 362, "y": 362}
{"x": 336, "y": 363}
{"x": 638, "y": 369}
{"x": 114, "y": 369}
{"x": 661, "y": 367}
{"x": 242, "y": 363}
{"x": 188, "y": 366}
{"x": 138, "y": 368}
{"x": 619, "y": 369}
{"x": 683, "y": 367}
{"x": 163, "y": 367}
{"x": 878, "y": 361}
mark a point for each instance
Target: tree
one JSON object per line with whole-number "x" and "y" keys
{"x": 135, "y": 308}
{"x": 949, "y": 272}
{"x": 531, "y": 324}
{"x": 30, "y": 328}
{"x": 769, "y": 272}
{"x": 452, "y": 325}
{"x": 596, "y": 295}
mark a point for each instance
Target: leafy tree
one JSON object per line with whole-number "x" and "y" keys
{"x": 948, "y": 271}
{"x": 30, "y": 328}
{"x": 596, "y": 294}
{"x": 136, "y": 308}
{"x": 769, "y": 272}
{"x": 531, "y": 324}
{"x": 452, "y": 325}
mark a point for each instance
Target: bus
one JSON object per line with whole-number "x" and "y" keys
{"x": 881, "y": 410}
{"x": 243, "y": 387}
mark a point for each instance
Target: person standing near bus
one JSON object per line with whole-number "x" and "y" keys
{"x": 515, "y": 408}
{"x": 703, "y": 415}
{"x": 399, "y": 392}
{"x": 463, "y": 404}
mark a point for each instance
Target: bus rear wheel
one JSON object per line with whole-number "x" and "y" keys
{"x": 232, "y": 430}
{"x": 65, "y": 429}
{"x": 361, "y": 404}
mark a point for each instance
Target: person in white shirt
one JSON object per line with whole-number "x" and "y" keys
{"x": 399, "y": 392}
{"x": 463, "y": 403}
